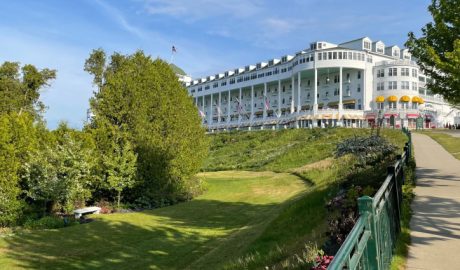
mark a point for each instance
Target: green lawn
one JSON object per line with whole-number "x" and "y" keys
{"x": 201, "y": 234}
{"x": 265, "y": 213}
{"x": 450, "y": 143}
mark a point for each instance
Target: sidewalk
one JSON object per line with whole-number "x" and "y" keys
{"x": 435, "y": 223}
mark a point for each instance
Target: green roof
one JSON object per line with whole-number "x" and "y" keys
{"x": 177, "y": 69}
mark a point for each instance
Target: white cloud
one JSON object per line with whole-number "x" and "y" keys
{"x": 118, "y": 17}
{"x": 201, "y": 9}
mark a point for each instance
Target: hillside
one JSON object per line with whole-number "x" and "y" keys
{"x": 265, "y": 199}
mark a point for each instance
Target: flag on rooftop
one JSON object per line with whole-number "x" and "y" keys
{"x": 173, "y": 49}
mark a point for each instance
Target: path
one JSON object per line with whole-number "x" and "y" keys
{"x": 435, "y": 224}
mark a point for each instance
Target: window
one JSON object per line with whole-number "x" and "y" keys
{"x": 359, "y": 74}
{"x": 405, "y": 105}
{"x": 414, "y": 105}
{"x": 359, "y": 88}
{"x": 347, "y": 91}
{"x": 414, "y": 73}
{"x": 348, "y": 77}
{"x": 380, "y": 49}
{"x": 405, "y": 85}
{"x": 232, "y": 80}
{"x": 308, "y": 83}
{"x": 334, "y": 55}
{"x": 380, "y": 73}
{"x": 392, "y": 72}
{"x": 320, "y": 56}
{"x": 392, "y": 85}
{"x": 336, "y": 78}
{"x": 367, "y": 45}
{"x": 392, "y": 105}
{"x": 421, "y": 79}
{"x": 380, "y": 86}
{"x": 350, "y": 55}
{"x": 414, "y": 86}
{"x": 329, "y": 55}
{"x": 380, "y": 105}
{"x": 284, "y": 88}
{"x": 324, "y": 55}
{"x": 216, "y": 84}
{"x": 404, "y": 71}
{"x": 345, "y": 55}
{"x": 340, "y": 55}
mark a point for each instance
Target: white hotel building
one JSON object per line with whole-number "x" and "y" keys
{"x": 347, "y": 84}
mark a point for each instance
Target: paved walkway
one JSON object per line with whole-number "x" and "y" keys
{"x": 435, "y": 224}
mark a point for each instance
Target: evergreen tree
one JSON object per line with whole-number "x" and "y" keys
{"x": 143, "y": 99}
{"x": 438, "y": 50}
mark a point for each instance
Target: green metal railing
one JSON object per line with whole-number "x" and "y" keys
{"x": 371, "y": 242}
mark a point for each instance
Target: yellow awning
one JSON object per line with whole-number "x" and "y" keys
{"x": 404, "y": 99}
{"x": 333, "y": 103}
{"x": 349, "y": 101}
{"x": 415, "y": 99}
{"x": 392, "y": 99}
{"x": 380, "y": 99}
{"x": 420, "y": 100}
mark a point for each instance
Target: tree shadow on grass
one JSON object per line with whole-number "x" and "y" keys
{"x": 177, "y": 236}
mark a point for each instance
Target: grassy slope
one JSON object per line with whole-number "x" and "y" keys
{"x": 200, "y": 234}
{"x": 450, "y": 143}
{"x": 242, "y": 212}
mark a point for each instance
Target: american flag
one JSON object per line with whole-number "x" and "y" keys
{"x": 173, "y": 49}
{"x": 267, "y": 103}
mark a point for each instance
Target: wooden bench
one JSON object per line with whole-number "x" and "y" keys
{"x": 87, "y": 210}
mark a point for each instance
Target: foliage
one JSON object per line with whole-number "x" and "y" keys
{"x": 48, "y": 222}
{"x": 60, "y": 173}
{"x": 18, "y": 138}
{"x": 368, "y": 150}
{"x": 120, "y": 167}
{"x": 438, "y": 50}
{"x": 20, "y": 88}
{"x": 143, "y": 99}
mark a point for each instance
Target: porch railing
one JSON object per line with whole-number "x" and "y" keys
{"x": 372, "y": 240}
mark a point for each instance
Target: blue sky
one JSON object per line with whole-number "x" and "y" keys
{"x": 210, "y": 35}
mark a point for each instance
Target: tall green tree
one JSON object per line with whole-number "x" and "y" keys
{"x": 143, "y": 98}
{"x": 438, "y": 50}
{"x": 120, "y": 164}
{"x": 20, "y": 87}
{"x": 19, "y": 137}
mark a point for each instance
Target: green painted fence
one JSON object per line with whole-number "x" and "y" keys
{"x": 371, "y": 242}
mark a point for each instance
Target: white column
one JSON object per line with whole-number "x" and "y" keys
{"x": 292, "y": 91}
{"x": 228, "y": 107}
{"x": 265, "y": 94}
{"x": 202, "y": 108}
{"x": 315, "y": 100}
{"x": 252, "y": 103}
{"x": 240, "y": 107}
{"x": 211, "y": 112}
{"x": 279, "y": 97}
{"x": 299, "y": 106}
{"x": 340, "y": 90}
{"x": 219, "y": 111}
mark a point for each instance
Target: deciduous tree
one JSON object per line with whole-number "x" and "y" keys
{"x": 438, "y": 50}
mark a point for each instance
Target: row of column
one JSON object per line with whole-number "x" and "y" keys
{"x": 299, "y": 103}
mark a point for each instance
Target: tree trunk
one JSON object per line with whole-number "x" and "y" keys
{"x": 118, "y": 199}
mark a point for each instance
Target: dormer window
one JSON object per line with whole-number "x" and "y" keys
{"x": 367, "y": 45}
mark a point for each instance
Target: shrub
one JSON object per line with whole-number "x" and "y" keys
{"x": 47, "y": 222}
{"x": 368, "y": 150}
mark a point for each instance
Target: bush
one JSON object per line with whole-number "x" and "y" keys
{"x": 48, "y": 222}
{"x": 368, "y": 150}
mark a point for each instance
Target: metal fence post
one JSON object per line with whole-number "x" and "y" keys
{"x": 392, "y": 170}
{"x": 365, "y": 207}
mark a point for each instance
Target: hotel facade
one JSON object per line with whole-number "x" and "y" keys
{"x": 350, "y": 84}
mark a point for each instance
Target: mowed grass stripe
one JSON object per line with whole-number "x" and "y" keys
{"x": 200, "y": 234}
